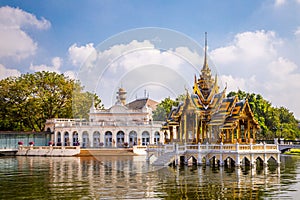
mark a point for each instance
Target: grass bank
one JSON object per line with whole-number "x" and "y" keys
{"x": 293, "y": 152}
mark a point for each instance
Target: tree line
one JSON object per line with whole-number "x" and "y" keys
{"x": 26, "y": 102}
{"x": 274, "y": 122}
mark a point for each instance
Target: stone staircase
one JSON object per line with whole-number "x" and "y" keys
{"x": 165, "y": 159}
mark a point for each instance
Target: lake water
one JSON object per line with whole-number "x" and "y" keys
{"x": 129, "y": 177}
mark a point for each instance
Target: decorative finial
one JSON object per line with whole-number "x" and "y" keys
{"x": 205, "y": 64}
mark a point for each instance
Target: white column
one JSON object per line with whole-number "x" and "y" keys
{"x": 80, "y": 138}
{"x": 71, "y": 138}
{"x": 102, "y": 136}
{"x": 114, "y": 139}
{"x": 55, "y": 138}
{"x": 91, "y": 140}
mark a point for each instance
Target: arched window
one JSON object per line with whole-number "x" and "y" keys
{"x": 108, "y": 139}
{"x": 156, "y": 137}
{"x": 66, "y": 139}
{"x": 145, "y": 138}
{"x": 85, "y": 139}
{"x": 132, "y": 138}
{"x": 96, "y": 139}
{"x": 120, "y": 139}
{"x": 58, "y": 143}
{"x": 75, "y": 139}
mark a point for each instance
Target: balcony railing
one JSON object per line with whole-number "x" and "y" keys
{"x": 214, "y": 148}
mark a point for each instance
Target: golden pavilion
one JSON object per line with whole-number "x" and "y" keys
{"x": 208, "y": 116}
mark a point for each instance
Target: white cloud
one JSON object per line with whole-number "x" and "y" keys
{"x": 137, "y": 64}
{"x": 297, "y": 32}
{"x": 70, "y": 74}
{"x": 55, "y": 67}
{"x": 15, "y": 42}
{"x": 79, "y": 54}
{"x": 252, "y": 62}
{"x": 4, "y": 72}
{"x": 278, "y": 3}
{"x": 247, "y": 54}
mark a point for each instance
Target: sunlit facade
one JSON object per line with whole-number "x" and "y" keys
{"x": 121, "y": 125}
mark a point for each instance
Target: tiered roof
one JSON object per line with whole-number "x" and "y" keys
{"x": 213, "y": 106}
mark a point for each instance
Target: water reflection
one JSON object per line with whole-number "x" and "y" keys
{"x": 130, "y": 178}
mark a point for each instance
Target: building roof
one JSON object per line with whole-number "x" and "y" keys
{"x": 140, "y": 103}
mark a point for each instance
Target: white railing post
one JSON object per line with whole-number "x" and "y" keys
{"x": 221, "y": 154}
{"x": 174, "y": 146}
{"x": 199, "y": 160}
{"x": 176, "y": 154}
{"x": 237, "y": 146}
{"x": 147, "y": 150}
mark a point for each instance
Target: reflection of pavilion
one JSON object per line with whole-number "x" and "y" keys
{"x": 119, "y": 126}
{"x": 221, "y": 183}
{"x": 118, "y": 178}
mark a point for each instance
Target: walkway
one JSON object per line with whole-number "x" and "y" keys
{"x": 213, "y": 153}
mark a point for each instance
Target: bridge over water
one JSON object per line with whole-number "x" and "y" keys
{"x": 283, "y": 145}
{"x": 211, "y": 154}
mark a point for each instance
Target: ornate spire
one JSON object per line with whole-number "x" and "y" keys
{"x": 206, "y": 73}
{"x": 205, "y": 64}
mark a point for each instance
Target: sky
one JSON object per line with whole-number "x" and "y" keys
{"x": 154, "y": 48}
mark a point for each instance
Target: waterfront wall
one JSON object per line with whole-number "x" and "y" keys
{"x": 10, "y": 139}
{"x": 48, "y": 151}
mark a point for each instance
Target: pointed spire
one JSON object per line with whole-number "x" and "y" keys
{"x": 205, "y": 64}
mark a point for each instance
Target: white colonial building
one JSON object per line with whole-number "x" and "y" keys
{"x": 121, "y": 125}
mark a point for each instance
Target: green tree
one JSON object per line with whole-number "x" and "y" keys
{"x": 27, "y": 101}
{"x": 164, "y": 107}
{"x": 274, "y": 122}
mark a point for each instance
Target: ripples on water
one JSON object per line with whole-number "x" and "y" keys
{"x": 123, "y": 177}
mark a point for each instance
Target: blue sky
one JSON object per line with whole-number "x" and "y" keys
{"x": 253, "y": 45}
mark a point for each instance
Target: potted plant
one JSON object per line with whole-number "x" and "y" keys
{"x": 125, "y": 144}
{"x": 20, "y": 143}
{"x": 31, "y": 143}
{"x": 50, "y": 143}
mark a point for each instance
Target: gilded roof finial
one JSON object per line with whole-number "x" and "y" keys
{"x": 205, "y": 64}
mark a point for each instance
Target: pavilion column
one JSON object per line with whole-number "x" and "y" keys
{"x": 184, "y": 132}
{"x": 171, "y": 133}
{"x": 248, "y": 129}
{"x": 238, "y": 133}
{"x": 196, "y": 128}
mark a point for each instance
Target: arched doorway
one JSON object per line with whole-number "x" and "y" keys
{"x": 108, "y": 139}
{"x": 132, "y": 138}
{"x": 120, "y": 139}
{"x": 145, "y": 138}
{"x": 58, "y": 143}
{"x": 85, "y": 139}
{"x": 66, "y": 139}
{"x": 75, "y": 139}
{"x": 156, "y": 137}
{"x": 96, "y": 139}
